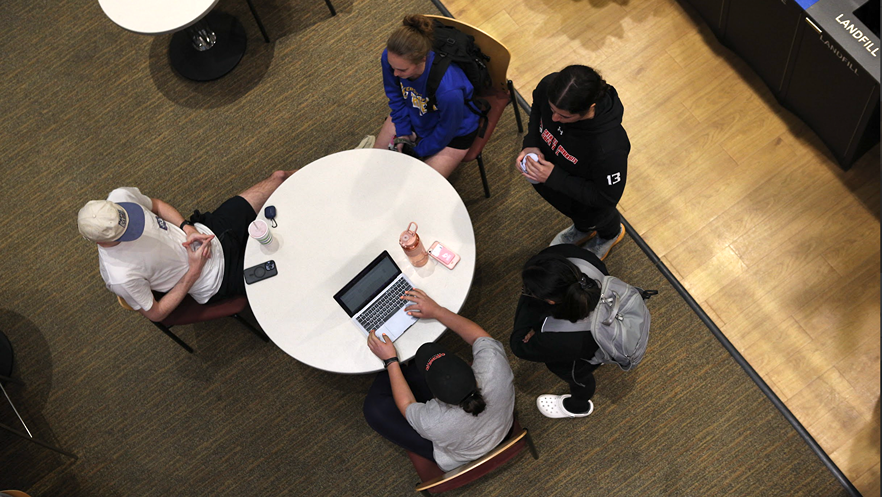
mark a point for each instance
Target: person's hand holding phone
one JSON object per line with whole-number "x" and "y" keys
{"x": 196, "y": 258}
{"x": 196, "y": 240}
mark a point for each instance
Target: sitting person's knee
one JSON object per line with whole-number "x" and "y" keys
{"x": 281, "y": 175}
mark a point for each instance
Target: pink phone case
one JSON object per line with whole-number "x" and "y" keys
{"x": 443, "y": 255}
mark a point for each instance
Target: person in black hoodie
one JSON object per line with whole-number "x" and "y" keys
{"x": 576, "y": 131}
{"x": 555, "y": 287}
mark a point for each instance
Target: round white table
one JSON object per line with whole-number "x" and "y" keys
{"x": 157, "y": 16}
{"x": 206, "y": 45}
{"x": 334, "y": 217}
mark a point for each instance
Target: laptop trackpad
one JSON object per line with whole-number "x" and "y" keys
{"x": 396, "y": 325}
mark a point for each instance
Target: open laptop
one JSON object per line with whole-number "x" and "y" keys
{"x": 372, "y": 298}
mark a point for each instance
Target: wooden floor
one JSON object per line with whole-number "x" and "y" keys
{"x": 737, "y": 196}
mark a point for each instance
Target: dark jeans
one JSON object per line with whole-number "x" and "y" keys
{"x": 383, "y": 415}
{"x": 580, "y": 376}
{"x": 608, "y": 226}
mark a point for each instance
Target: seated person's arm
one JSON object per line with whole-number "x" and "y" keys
{"x": 451, "y": 108}
{"x": 424, "y": 307}
{"x": 401, "y": 392}
{"x": 400, "y": 389}
{"x": 397, "y": 104}
{"x": 171, "y": 215}
{"x": 170, "y": 301}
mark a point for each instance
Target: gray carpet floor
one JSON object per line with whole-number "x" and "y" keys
{"x": 88, "y": 107}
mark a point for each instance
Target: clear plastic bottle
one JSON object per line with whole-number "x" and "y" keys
{"x": 413, "y": 247}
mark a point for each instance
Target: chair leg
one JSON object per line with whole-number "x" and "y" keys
{"x": 333, "y": 11}
{"x": 260, "y": 333}
{"x": 514, "y": 103}
{"x": 531, "y": 446}
{"x": 480, "y": 159}
{"x": 257, "y": 18}
{"x": 174, "y": 337}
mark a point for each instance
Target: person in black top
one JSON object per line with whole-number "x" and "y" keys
{"x": 576, "y": 131}
{"x": 555, "y": 287}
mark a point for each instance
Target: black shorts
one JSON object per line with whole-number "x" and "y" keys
{"x": 229, "y": 223}
{"x": 463, "y": 142}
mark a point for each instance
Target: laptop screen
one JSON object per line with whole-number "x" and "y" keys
{"x": 368, "y": 284}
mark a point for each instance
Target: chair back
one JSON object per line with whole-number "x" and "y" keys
{"x": 436, "y": 481}
{"x": 122, "y": 302}
{"x": 498, "y": 102}
{"x": 499, "y": 54}
{"x": 189, "y": 311}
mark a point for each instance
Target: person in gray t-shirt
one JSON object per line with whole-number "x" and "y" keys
{"x": 440, "y": 407}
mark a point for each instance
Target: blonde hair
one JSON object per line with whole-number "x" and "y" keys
{"x": 413, "y": 39}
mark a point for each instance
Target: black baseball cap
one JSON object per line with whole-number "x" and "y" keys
{"x": 450, "y": 378}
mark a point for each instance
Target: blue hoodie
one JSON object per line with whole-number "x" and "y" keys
{"x": 407, "y": 100}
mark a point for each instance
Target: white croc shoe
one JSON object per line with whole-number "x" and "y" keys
{"x": 551, "y": 406}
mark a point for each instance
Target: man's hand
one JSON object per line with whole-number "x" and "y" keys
{"x": 196, "y": 258}
{"x": 538, "y": 170}
{"x": 524, "y": 152}
{"x": 384, "y": 349}
{"x": 423, "y": 305}
{"x": 203, "y": 239}
{"x": 528, "y": 336}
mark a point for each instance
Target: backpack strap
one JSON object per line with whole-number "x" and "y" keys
{"x": 554, "y": 325}
{"x": 440, "y": 63}
{"x": 477, "y": 105}
{"x": 589, "y": 269}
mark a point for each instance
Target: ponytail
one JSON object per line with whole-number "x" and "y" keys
{"x": 473, "y": 404}
{"x": 559, "y": 280}
{"x": 581, "y": 298}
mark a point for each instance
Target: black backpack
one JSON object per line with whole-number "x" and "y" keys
{"x": 452, "y": 45}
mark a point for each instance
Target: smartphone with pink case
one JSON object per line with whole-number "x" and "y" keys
{"x": 443, "y": 255}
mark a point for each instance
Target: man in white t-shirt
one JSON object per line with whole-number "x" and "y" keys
{"x": 146, "y": 245}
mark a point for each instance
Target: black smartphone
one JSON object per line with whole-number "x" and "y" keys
{"x": 260, "y": 272}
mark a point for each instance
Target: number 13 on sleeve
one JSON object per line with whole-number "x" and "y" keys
{"x": 613, "y": 178}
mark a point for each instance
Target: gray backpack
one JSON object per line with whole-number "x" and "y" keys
{"x": 619, "y": 323}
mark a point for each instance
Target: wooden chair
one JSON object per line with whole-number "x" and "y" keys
{"x": 435, "y": 481}
{"x": 501, "y": 94}
{"x": 15, "y": 493}
{"x": 189, "y": 311}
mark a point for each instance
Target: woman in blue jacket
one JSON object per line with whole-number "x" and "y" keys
{"x": 442, "y": 135}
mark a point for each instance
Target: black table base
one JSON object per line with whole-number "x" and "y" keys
{"x": 216, "y": 61}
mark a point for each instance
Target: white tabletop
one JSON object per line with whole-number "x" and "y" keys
{"x": 335, "y": 216}
{"x": 156, "y": 17}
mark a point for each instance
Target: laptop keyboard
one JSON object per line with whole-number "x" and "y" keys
{"x": 379, "y": 312}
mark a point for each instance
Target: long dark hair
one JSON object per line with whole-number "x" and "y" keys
{"x": 413, "y": 39}
{"x": 473, "y": 404}
{"x": 559, "y": 280}
{"x": 576, "y": 88}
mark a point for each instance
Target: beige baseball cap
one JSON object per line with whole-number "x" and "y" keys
{"x": 106, "y": 221}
